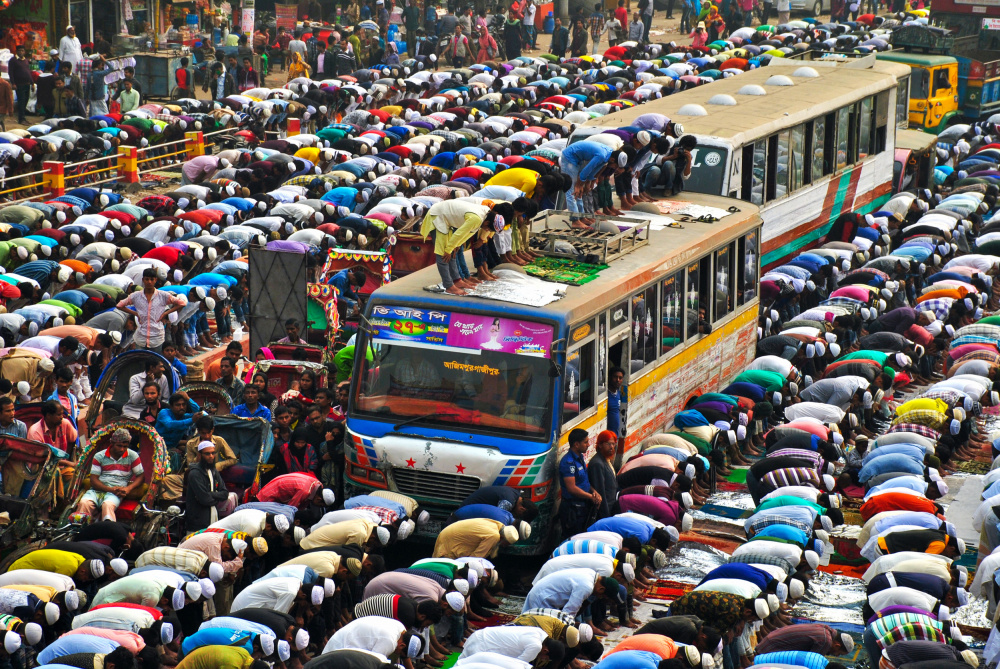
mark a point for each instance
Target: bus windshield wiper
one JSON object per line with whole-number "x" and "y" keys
{"x": 413, "y": 420}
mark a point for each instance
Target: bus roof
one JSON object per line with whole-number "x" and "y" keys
{"x": 915, "y": 140}
{"x": 623, "y": 276}
{"x": 754, "y": 116}
{"x": 918, "y": 59}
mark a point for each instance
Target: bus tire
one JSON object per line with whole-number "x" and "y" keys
{"x": 511, "y": 266}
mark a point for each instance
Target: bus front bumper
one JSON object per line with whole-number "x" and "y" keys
{"x": 441, "y": 473}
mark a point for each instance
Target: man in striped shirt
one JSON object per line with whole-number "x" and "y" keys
{"x": 151, "y": 307}
{"x": 114, "y": 474}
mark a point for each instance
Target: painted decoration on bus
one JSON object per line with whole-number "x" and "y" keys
{"x": 470, "y": 333}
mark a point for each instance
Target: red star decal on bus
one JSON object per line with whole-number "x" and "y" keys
{"x": 411, "y": 462}
{"x": 460, "y": 468}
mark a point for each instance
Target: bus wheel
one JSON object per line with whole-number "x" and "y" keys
{"x": 511, "y": 266}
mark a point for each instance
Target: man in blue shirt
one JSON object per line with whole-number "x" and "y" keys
{"x": 579, "y": 501}
{"x": 617, "y": 400}
{"x": 251, "y": 408}
{"x": 345, "y": 282}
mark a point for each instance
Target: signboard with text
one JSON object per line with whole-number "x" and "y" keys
{"x": 286, "y": 15}
{"x": 466, "y": 332}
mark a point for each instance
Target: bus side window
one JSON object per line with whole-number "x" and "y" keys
{"x": 820, "y": 164}
{"x": 723, "y": 282}
{"x": 705, "y": 293}
{"x": 880, "y": 122}
{"x": 747, "y": 258}
{"x": 754, "y": 171}
{"x": 645, "y": 346}
{"x": 842, "y": 134}
{"x": 693, "y": 284}
{"x": 902, "y": 104}
{"x": 579, "y": 385}
{"x": 865, "y": 128}
{"x": 781, "y": 160}
{"x": 771, "y": 190}
{"x": 672, "y": 331}
{"x": 796, "y": 158}
{"x": 602, "y": 355}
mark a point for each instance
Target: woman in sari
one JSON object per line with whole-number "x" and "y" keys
{"x": 263, "y": 353}
{"x": 297, "y": 68}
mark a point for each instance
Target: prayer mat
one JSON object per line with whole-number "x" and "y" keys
{"x": 849, "y": 570}
{"x": 738, "y": 476}
{"x": 494, "y": 620}
{"x": 974, "y": 467}
{"x": 450, "y": 661}
{"x": 719, "y": 541}
{"x": 722, "y": 485}
{"x": 969, "y": 559}
{"x": 730, "y": 512}
{"x": 669, "y": 590}
{"x": 563, "y": 270}
{"x": 853, "y": 492}
{"x": 510, "y": 605}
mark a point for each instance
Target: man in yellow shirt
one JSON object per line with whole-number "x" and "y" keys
{"x": 328, "y": 564}
{"x": 220, "y": 657}
{"x": 454, "y": 222}
{"x": 66, "y": 563}
{"x": 360, "y": 532}
{"x": 520, "y": 178}
{"x": 476, "y": 537}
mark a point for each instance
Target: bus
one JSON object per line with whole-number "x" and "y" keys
{"x": 453, "y": 393}
{"x": 964, "y": 17}
{"x": 806, "y": 142}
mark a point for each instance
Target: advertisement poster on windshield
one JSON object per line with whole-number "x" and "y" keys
{"x": 467, "y": 332}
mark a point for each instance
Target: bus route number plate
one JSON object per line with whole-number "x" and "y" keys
{"x": 409, "y": 328}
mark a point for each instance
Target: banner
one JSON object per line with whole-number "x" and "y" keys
{"x": 286, "y": 15}
{"x": 246, "y": 21}
{"x": 468, "y": 333}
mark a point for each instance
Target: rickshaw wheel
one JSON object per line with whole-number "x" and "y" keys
{"x": 16, "y": 555}
{"x": 150, "y": 534}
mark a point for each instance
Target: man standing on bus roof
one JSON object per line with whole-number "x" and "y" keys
{"x": 579, "y": 500}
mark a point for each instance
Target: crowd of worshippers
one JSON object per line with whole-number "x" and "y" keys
{"x": 888, "y": 300}
{"x": 294, "y": 583}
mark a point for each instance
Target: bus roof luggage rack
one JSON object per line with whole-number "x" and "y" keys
{"x": 551, "y": 232}
{"x": 926, "y": 39}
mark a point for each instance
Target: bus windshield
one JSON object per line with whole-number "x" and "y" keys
{"x": 457, "y": 371}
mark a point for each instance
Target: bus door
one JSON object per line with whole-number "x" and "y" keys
{"x": 619, "y": 355}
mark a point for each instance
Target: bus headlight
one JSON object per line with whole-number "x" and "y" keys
{"x": 357, "y": 472}
{"x": 376, "y": 476}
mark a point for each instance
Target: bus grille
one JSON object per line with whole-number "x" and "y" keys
{"x": 438, "y": 485}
